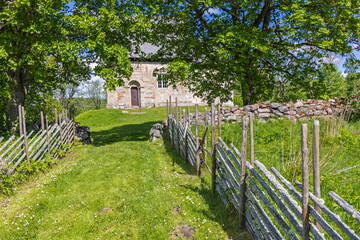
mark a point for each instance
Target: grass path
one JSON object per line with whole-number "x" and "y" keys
{"x": 120, "y": 187}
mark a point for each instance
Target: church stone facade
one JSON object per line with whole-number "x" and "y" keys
{"x": 145, "y": 90}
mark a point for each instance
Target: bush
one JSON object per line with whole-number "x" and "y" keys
{"x": 238, "y": 100}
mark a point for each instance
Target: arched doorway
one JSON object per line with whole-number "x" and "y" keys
{"x": 134, "y": 93}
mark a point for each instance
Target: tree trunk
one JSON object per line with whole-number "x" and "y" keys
{"x": 20, "y": 80}
{"x": 248, "y": 91}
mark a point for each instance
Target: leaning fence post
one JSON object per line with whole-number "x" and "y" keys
{"x": 251, "y": 125}
{"x": 47, "y": 134}
{"x": 197, "y": 139}
{"x": 25, "y": 137}
{"x": 213, "y": 150}
{"x": 242, "y": 208}
{"x": 219, "y": 121}
{"x": 305, "y": 181}
{"x": 42, "y": 121}
{"x": 316, "y": 167}
{"x": 20, "y": 121}
{"x": 186, "y": 136}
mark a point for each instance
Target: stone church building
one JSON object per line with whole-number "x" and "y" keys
{"x": 145, "y": 90}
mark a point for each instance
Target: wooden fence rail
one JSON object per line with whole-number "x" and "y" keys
{"x": 36, "y": 146}
{"x": 269, "y": 206}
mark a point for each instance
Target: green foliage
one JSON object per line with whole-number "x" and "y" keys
{"x": 353, "y": 93}
{"x": 238, "y": 100}
{"x": 325, "y": 84}
{"x": 36, "y": 61}
{"x": 8, "y": 183}
{"x": 227, "y": 45}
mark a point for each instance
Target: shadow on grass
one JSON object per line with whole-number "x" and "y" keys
{"x": 129, "y": 132}
{"x": 218, "y": 211}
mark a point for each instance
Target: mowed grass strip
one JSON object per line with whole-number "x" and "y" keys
{"x": 120, "y": 187}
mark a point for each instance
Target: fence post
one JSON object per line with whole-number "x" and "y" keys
{"x": 242, "y": 208}
{"x": 197, "y": 139}
{"x": 20, "y": 121}
{"x": 42, "y": 121}
{"x": 47, "y": 134}
{"x": 316, "y": 167}
{"x": 205, "y": 139}
{"x": 305, "y": 181}
{"x": 56, "y": 118}
{"x": 74, "y": 128}
{"x": 219, "y": 121}
{"x": 25, "y": 137}
{"x": 170, "y": 119}
{"x": 186, "y": 125}
{"x": 177, "y": 125}
{"x": 251, "y": 125}
{"x": 61, "y": 133}
{"x": 189, "y": 120}
{"x": 213, "y": 150}
{"x": 167, "y": 108}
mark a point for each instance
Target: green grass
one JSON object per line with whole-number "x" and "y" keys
{"x": 120, "y": 187}
{"x": 278, "y": 144}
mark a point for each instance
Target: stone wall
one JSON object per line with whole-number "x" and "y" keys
{"x": 267, "y": 110}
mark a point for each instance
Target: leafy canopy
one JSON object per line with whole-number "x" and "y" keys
{"x": 218, "y": 46}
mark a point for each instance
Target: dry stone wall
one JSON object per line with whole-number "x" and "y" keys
{"x": 267, "y": 110}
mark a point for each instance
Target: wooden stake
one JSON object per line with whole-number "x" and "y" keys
{"x": 205, "y": 139}
{"x": 42, "y": 121}
{"x": 186, "y": 136}
{"x": 167, "y": 108}
{"x": 213, "y": 151}
{"x": 61, "y": 133}
{"x": 25, "y": 137}
{"x": 252, "y": 156}
{"x": 219, "y": 121}
{"x": 177, "y": 125}
{"x": 242, "y": 208}
{"x": 316, "y": 166}
{"x": 197, "y": 139}
{"x": 20, "y": 121}
{"x": 305, "y": 181}
{"x": 74, "y": 136}
{"x": 47, "y": 135}
{"x": 189, "y": 120}
{"x": 56, "y": 117}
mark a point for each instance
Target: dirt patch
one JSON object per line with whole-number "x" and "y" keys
{"x": 177, "y": 209}
{"x": 105, "y": 210}
{"x": 183, "y": 232}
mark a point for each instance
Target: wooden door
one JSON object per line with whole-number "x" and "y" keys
{"x": 134, "y": 96}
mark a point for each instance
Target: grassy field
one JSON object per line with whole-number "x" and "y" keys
{"x": 278, "y": 144}
{"x": 120, "y": 187}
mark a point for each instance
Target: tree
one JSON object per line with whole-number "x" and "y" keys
{"x": 45, "y": 43}
{"x": 95, "y": 92}
{"x": 217, "y": 46}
